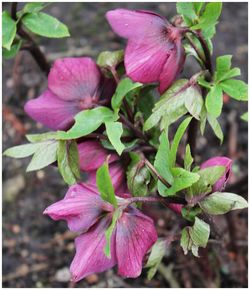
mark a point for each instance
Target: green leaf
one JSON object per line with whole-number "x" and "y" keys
{"x": 86, "y": 122}
{"x": 171, "y": 105}
{"x": 34, "y": 7}
{"x": 114, "y": 131}
{"x": 8, "y": 30}
{"x": 177, "y": 138}
{"x": 210, "y": 16}
{"x": 214, "y": 101}
{"x": 108, "y": 233}
{"x": 235, "y": 89}
{"x": 145, "y": 101}
{"x": 110, "y": 58}
{"x": 207, "y": 178}
{"x": 43, "y": 156}
{"x": 186, "y": 9}
{"x": 33, "y": 138}
{"x": 7, "y": 54}
{"x": 182, "y": 179}
{"x": 125, "y": 86}
{"x": 188, "y": 159}
{"x": 244, "y": 117}
{"x": 190, "y": 213}
{"x": 203, "y": 119}
{"x": 216, "y": 127}
{"x": 223, "y": 71}
{"x": 45, "y": 25}
{"x": 68, "y": 161}
{"x": 104, "y": 184}
{"x": 204, "y": 83}
{"x": 198, "y": 6}
{"x": 222, "y": 202}
{"x": 156, "y": 255}
{"x": 194, "y": 237}
{"x": 162, "y": 159}
{"x": 21, "y": 151}
{"x": 138, "y": 176}
{"x": 194, "y": 103}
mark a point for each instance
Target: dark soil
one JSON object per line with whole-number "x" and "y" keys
{"x": 36, "y": 250}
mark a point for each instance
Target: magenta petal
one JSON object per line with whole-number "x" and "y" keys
{"x": 135, "y": 235}
{"x": 89, "y": 257}
{"x": 220, "y": 161}
{"x": 74, "y": 78}
{"x": 51, "y": 111}
{"x": 81, "y": 208}
{"x": 134, "y": 24}
{"x": 172, "y": 67}
{"x": 92, "y": 155}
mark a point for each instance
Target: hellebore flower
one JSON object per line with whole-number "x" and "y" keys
{"x": 92, "y": 155}
{"x": 219, "y": 161}
{"x": 154, "y": 52}
{"x": 86, "y": 212}
{"x": 74, "y": 84}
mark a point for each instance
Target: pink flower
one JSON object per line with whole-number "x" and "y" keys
{"x": 154, "y": 52}
{"x": 74, "y": 84}
{"x": 92, "y": 155}
{"x": 219, "y": 161}
{"x": 86, "y": 212}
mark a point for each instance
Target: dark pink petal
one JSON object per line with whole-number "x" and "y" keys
{"x": 135, "y": 24}
{"x": 89, "y": 257}
{"x": 172, "y": 67}
{"x": 75, "y": 79}
{"x": 176, "y": 207}
{"x": 81, "y": 208}
{"x": 219, "y": 161}
{"x": 92, "y": 155}
{"x": 135, "y": 234}
{"x": 51, "y": 111}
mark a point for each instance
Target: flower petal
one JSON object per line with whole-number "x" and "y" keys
{"x": 90, "y": 257}
{"x": 51, "y": 111}
{"x": 74, "y": 78}
{"x": 172, "y": 67}
{"x": 220, "y": 161}
{"x": 92, "y": 155}
{"x": 135, "y": 234}
{"x": 81, "y": 208}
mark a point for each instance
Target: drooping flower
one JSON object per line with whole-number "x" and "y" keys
{"x": 86, "y": 212}
{"x": 219, "y": 161}
{"x": 92, "y": 155}
{"x": 154, "y": 52}
{"x": 74, "y": 84}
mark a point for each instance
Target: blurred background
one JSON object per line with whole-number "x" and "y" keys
{"x": 36, "y": 250}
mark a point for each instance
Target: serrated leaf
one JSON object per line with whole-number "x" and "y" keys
{"x": 68, "y": 161}
{"x": 110, "y": 58}
{"x": 43, "y": 156}
{"x": 214, "y": 101}
{"x": 33, "y": 138}
{"x": 182, "y": 179}
{"x": 210, "y": 15}
{"x": 86, "y": 122}
{"x": 104, "y": 184}
{"x": 108, "y": 233}
{"x": 235, "y": 89}
{"x": 7, "y": 54}
{"x": 222, "y": 202}
{"x": 114, "y": 131}
{"x": 188, "y": 159}
{"x": 171, "y": 105}
{"x": 186, "y": 9}
{"x": 45, "y": 25}
{"x": 216, "y": 127}
{"x": 125, "y": 86}
{"x": 194, "y": 103}
{"x": 156, "y": 255}
{"x": 8, "y": 30}
{"x": 145, "y": 101}
{"x": 21, "y": 151}
{"x": 223, "y": 71}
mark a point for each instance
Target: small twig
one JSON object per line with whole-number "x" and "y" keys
{"x": 33, "y": 48}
